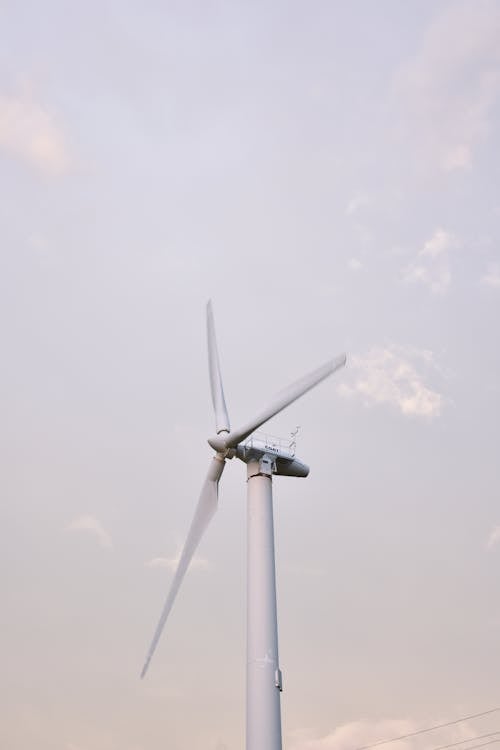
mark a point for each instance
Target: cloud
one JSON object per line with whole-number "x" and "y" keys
{"x": 457, "y": 158}
{"x": 172, "y": 562}
{"x": 450, "y": 87}
{"x": 494, "y": 538}
{"x": 357, "y": 734}
{"x": 356, "y": 203}
{"x": 432, "y": 265}
{"x": 355, "y": 264}
{"x": 352, "y": 735}
{"x": 92, "y": 526}
{"x": 29, "y": 131}
{"x": 304, "y": 570}
{"x": 390, "y": 376}
{"x": 492, "y": 276}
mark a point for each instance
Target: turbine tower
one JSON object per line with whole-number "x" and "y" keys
{"x": 264, "y": 457}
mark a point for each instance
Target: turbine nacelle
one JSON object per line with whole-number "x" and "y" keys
{"x": 280, "y": 454}
{"x": 284, "y": 461}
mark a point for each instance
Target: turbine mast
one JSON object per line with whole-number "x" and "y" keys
{"x": 263, "y": 728}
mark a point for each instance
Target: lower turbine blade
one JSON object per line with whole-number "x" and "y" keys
{"x": 207, "y": 505}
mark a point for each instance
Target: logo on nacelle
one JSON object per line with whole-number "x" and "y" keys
{"x": 271, "y": 448}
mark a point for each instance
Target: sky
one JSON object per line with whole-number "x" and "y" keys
{"x": 328, "y": 173}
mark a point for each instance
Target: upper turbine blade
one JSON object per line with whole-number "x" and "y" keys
{"x": 207, "y": 505}
{"x": 286, "y": 397}
{"x": 221, "y": 415}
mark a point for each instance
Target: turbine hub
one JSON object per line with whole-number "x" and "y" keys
{"x": 218, "y": 442}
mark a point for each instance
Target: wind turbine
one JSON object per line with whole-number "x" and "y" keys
{"x": 263, "y": 457}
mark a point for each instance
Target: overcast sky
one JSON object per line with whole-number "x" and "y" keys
{"x": 328, "y": 173}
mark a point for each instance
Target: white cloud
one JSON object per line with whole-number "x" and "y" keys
{"x": 390, "y": 376}
{"x": 352, "y": 735}
{"x": 355, "y": 264}
{"x": 92, "y": 526}
{"x": 492, "y": 276}
{"x": 357, "y": 734}
{"x": 304, "y": 570}
{"x": 432, "y": 264}
{"x": 451, "y": 86}
{"x": 29, "y": 131}
{"x": 356, "y": 203}
{"x": 172, "y": 562}
{"x": 437, "y": 245}
{"x": 494, "y": 537}
{"x": 458, "y": 157}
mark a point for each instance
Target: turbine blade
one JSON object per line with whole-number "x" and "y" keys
{"x": 207, "y": 505}
{"x": 286, "y": 397}
{"x": 221, "y": 415}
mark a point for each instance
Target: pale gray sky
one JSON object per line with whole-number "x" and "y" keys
{"x": 328, "y": 173}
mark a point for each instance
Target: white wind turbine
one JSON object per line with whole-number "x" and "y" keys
{"x": 263, "y": 457}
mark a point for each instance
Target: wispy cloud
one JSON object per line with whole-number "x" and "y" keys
{"x": 361, "y": 733}
{"x": 492, "y": 276}
{"x": 393, "y": 376}
{"x": 347, "y": 736}
{"x": 301, "y": 569}
{"x": 355, "y": 264}
{"x": 452, "y": 84}
{"x": 171, "y": 563}
{"x": 30, "y": 132}
{"x": 92, "y": 526}
{"x": 458, "y": 157}
{"x": 493, "y": 538}
{"x": 356, "y": 203}
{"x": 432, "y": 263}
